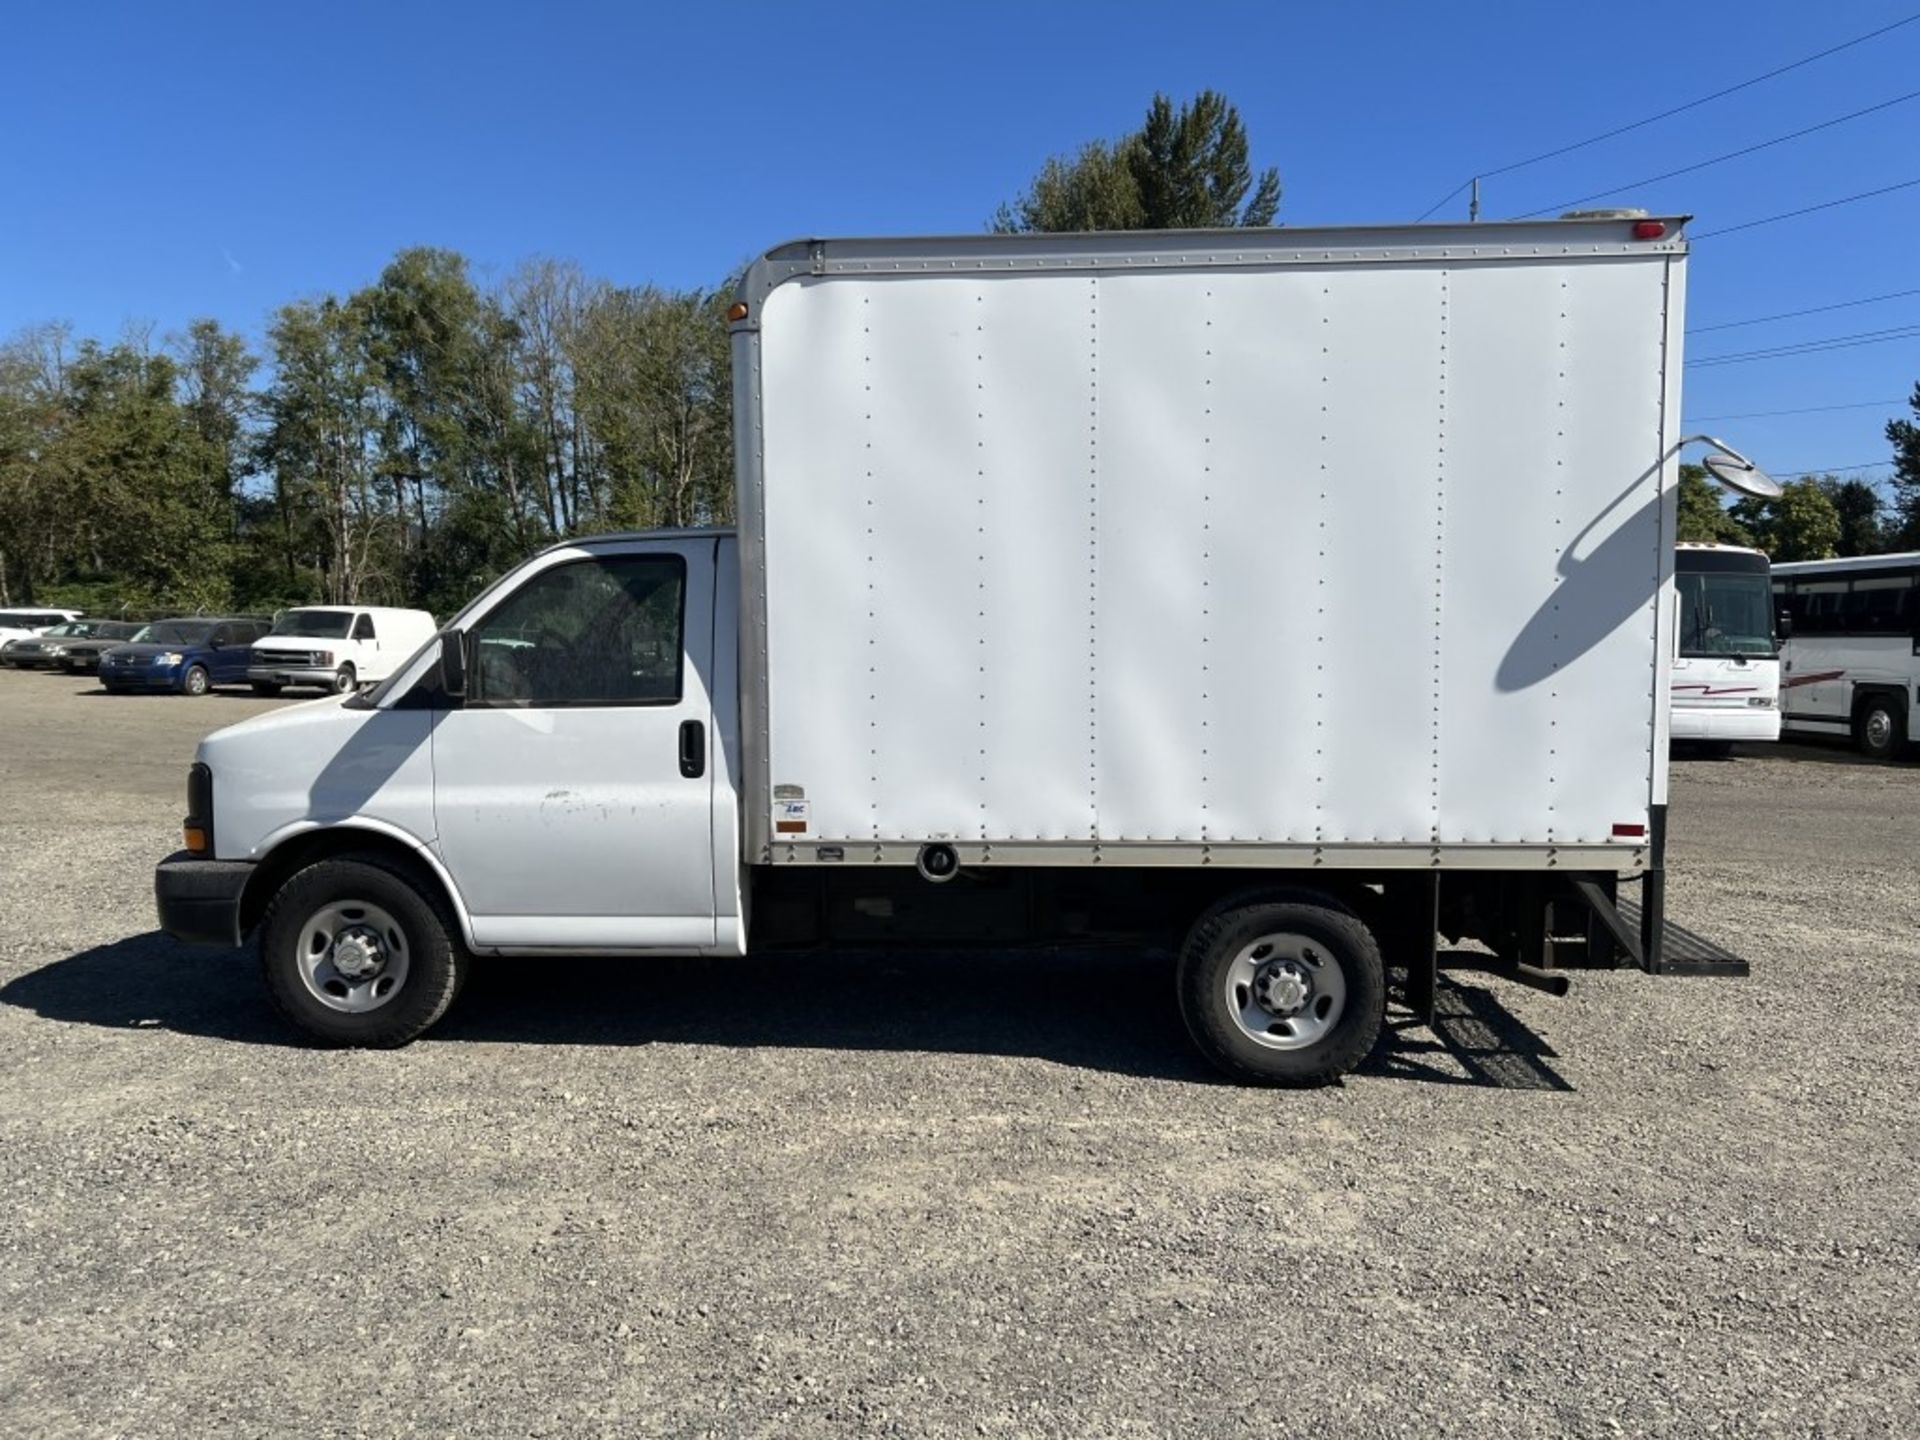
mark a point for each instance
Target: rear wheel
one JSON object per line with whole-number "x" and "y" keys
{"x": 1282, "y": 988}
{"x": 357, "y": 952}
{"x": 195, "y": 682}
{"x": 1879, "y": 727}
{"x": 344, "y": 681}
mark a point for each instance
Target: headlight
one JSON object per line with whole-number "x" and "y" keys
{"x": 53, "y": 650}
{"x": 322, "y": 657}
{"x": 171, "y": 657}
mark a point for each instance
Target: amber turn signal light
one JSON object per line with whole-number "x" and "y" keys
{"x": 736, "y": 312}
{"x": 196, "y": 840}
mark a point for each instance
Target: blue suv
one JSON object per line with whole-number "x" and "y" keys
{"x": 185, "y": 657}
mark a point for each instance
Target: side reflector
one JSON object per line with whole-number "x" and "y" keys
{"x": 196, "y": 839}
{"x": 1648, "y": 229}
{"x": 736, "y": 312}
{"x": 1629, "y": 832}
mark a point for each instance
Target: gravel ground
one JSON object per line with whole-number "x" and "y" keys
{"x": 952, "y": 1196}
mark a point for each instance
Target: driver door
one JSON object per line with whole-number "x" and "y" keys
{"x": 572, "y": 794}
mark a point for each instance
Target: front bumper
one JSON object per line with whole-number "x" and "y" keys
{"x": 141, "y": 678}
{"x": 199, "y": 900}
{"x": 291, "y": 675}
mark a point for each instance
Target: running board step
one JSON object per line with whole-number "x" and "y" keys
{"x": 1683, "y": 952}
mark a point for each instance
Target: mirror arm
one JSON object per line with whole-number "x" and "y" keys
{"x": 1752, "y": 481}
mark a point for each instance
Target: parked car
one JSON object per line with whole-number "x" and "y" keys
{"x": 186, "y": 657}
{"x": 337, "y": 647}
{"x": 45, "y": 650}
{"x": 29, "y": 621}
{"x": 82, "y": 657}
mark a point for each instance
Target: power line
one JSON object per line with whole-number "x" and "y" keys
{"x": 1834, "y": 469}
{"x": 1666, "y": 114}
{"x": 1721, "y": 159}
{"x": 1806, "y": 410}
{"x": 1807, "y": 209}
{"x": 1795, "y": 314}
{"x": 1813, "y": 347}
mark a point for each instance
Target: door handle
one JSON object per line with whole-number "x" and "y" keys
{"x": 693, "y": 749}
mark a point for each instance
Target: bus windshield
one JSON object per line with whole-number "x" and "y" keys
{"x": 1725, "y": 613}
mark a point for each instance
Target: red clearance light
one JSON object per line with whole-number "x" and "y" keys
{"x": 1648, "y": 229}
{"x": 1629, "y": 832}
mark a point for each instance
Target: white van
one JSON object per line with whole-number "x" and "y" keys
{"x": 23, "y": 624}
{"x": 336, "y": 647}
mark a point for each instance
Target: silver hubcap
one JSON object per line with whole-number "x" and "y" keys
{"x": 1879, "y": 728}
{"x": 1285, "y": 991}
{"x": 353, "y": 956}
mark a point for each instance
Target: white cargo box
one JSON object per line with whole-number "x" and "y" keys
{"x": 1291, "y": 547}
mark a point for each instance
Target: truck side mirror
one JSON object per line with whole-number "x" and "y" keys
{"x": 1783, "y": 626}
{"x": 453, "y": 663}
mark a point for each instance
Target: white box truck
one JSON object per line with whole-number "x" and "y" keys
{"x": 1292, "y": 598}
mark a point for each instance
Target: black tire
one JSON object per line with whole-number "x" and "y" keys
{"x": 344, "y": 681}
{"x": 1879, "y": 727}
{"x": 196, "y": 681}
{"x": 436, "y": 961}
{"x": 1334, "y": 936}
{"x": 265, "y": 687}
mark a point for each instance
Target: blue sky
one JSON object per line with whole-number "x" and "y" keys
{"x": 166, "y": 162}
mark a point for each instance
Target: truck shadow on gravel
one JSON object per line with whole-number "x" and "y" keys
{"x": 1099, "y": 1010}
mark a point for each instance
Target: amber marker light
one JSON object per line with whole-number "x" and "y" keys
{"x": 196, "y": 840}
{"x": 736, "y": 312}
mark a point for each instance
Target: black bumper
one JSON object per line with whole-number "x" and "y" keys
{"x": 199, "y": 900}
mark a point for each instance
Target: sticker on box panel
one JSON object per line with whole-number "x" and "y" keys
{"x": 790, "y": 817}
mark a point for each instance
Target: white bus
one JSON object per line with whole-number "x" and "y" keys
{"x": 1725, "y": 681}
{"x": 1850, "y": 665}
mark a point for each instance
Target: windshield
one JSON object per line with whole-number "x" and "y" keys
{"x": 320, "y": 624}
{"x": 1725, "y": 614}
{"x": 177, "y": 632}
{"x": 71, "y": 628}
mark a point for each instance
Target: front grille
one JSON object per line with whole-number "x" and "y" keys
{"x": 286, "y": 657}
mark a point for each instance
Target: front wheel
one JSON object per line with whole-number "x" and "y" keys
{"x": 344, "y": 681}
{"x": 1282, "y": 988}
{"x": 195, "y": 681}
{"x": 1879, "y": 728}
{"x": 358, "y": 953}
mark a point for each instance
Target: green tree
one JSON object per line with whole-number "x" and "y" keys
{"x": 33, "y": 407}
{"x": 1904, "y": 436}
{"x": 1859, "y": 507}
{"x": 150, "y": 493}
{"x": 1703, "y": 519}
{"x": 1799, "y": 524}
{"x": 656, "y": 397}
{"x": 1185, "y": 167}
{"x": 323, "y": 438}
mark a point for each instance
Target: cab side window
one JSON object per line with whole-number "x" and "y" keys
{"x": 589, "y": 632}
{"x": 363, "y": 628}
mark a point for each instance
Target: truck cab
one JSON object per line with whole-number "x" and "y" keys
{"x": 554, "y": 776}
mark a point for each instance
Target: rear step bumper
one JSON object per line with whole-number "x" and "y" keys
{"x": 1685, "y": 952}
